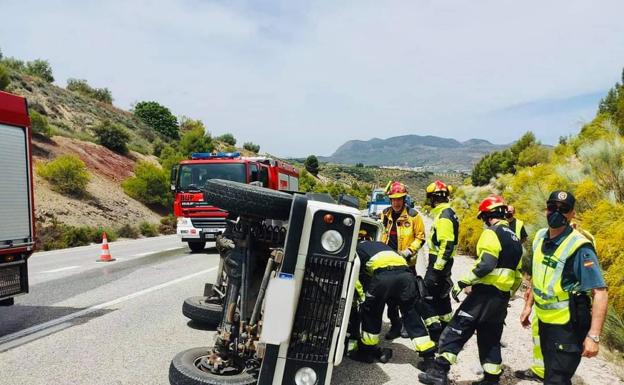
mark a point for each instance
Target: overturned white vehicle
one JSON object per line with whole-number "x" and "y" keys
{"x": 291, "y": 269}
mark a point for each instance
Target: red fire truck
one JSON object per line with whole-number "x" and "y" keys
{"x": 17, "y": 227}
{"x": 199, "y": 222}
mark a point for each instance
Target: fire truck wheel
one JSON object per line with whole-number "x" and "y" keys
{"x": 247, "y": 199}
{"x": 197, "y": 246}
{"x": 200, "y": 311}
{"x": 185, "y": 370}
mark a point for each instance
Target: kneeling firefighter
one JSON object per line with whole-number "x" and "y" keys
{"x": 386, "y": 277}
{"x": 495, "y": 274}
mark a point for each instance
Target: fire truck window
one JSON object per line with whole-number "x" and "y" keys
{"x": 264, "y": 176}
{"x": 195, "y": 176}
{"x": 253, "y": 172}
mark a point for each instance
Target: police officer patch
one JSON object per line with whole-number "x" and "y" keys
{"x": 562, "y": 195}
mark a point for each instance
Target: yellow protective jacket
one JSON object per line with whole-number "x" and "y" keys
{"x": 443, "y": 236}
{"x": 410, "y": 230}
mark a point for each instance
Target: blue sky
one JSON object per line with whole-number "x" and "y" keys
{"x": 300, "y": 77}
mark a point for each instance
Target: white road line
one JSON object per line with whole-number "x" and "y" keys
{"x": 61, "y": 269}
{"x": 81, "y": 313}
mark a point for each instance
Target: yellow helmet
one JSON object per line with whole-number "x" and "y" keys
{"x": 439, "y": 188}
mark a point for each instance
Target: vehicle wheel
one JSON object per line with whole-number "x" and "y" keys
{"x": 206, "y": 313}
{"x": 197, "y": 246}
{"x": 247, "y": 199}
{"x": 7, "y": 302}
{"x": 184, "y": 370}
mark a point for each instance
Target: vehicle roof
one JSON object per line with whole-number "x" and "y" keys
{"x": 13, "y": 110}
{"x": 215, "y": 160}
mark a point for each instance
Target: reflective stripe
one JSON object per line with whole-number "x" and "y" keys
{"x": 553, "y": 305}
{"x": 423, "y": 343}
{"x": 494, "y": 369}
{"x": 446, "y": 317}
{"x": 370, "y": 339}
{"x": 385, "y": 259}
{"x": 431, "y": 320}
{"x": 538, "y": 368}
{"x": 352, "y": 345}
{"x": 536, "y": 341}
{"x": 501, "y": 278}
{"x": 450, "y": 357}
{"x": 359, "y": 290}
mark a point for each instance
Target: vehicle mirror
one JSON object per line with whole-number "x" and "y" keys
{"x": 174, "y": 177}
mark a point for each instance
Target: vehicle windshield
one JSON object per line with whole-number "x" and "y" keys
{"x": 194, "y": 176}
{"x": 381, "y": 197}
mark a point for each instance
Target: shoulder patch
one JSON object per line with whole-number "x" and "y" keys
{"x": 412, "y": 212}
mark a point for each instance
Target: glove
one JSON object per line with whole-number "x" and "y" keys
{"x": 407, "y": 254}
{"x": 458, "y": 287}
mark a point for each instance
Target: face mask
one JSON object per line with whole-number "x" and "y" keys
{"x": 556, "y": 219}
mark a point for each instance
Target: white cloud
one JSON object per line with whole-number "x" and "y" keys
{"x": 300, "y": 78}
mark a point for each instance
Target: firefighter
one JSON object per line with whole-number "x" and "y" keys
{"x": 404, "y": 232}
{"x": 386, "y": 277}
{"x": 565, "y": 270}
{"x": 442, "y": 243}
{"x": 516, "y": 224}
{"x": 495, "y": 274}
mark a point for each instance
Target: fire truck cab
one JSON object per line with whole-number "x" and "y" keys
{"x": 199, "y": 222}
{"x": 17, "y": 228}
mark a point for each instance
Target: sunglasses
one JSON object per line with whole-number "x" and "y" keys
{"x": 562, "y": 208}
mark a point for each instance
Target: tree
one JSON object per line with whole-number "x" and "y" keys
{"x": 227, "y": 139}
{"x": 158, "y": 117}
{"x": 41, "y": 69}
{"x": 608, "y": 104}
{"x": 113, "y": 136}
{"x": 527, "y": 140}
{"x": 250, "y": 146}
{"x": 188, "y": 124}
{"x": 5, "y": 80}
{"x": 195, "y": 140}
{"x": 312, "y": 165}
{"x": 533, "y": 155}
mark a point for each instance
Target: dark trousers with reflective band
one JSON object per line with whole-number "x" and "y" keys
{"x": 562, "y": 345}
{"x": 483, "y": 312}
{"x": 397, "y": 286}
{"x": 438, "y": 285}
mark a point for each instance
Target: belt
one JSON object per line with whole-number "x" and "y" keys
{"x": 391, "y": 268}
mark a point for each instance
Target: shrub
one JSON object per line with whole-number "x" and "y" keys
{"x": 59, "y": 236}
{"x": 158, "y": 117}
{"x": 614, "y": 330}
{"x": 14, "y": 64}
{"x": 128, "y": 231}
{"x": 195, "y": 140}
{"x": 148, "y": 229}
{"x": 5, "y": 80}
{"x": 250, "y": 146}
{"x": 227, "y": 139}
{"x": 111, "y": 235}
{"x": 81, "y": 87}
{"x": 113, "y": 137}
{"x": 67, "y": 174}
{"x": 39, "y": 123}
{"x": 41, "y": 69}
{"x": 149, "y": 185}
{"x": 168, "y": 225}
{"x": 157, "y": 147}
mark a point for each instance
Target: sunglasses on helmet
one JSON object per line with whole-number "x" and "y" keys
{"x": 562, "y": 208}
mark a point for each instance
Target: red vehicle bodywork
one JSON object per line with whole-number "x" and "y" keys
{"x": 14, "y": 253}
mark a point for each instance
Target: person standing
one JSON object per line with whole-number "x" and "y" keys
{"x": 495, "y": 274}
{"x": 442, "y": 243}
{"x": 565, "y": 275}
{"x": 516, "y": 225}
{"x": 404, "y": 232}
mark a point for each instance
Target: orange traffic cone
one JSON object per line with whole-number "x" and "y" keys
{"x": 106, "y": 255}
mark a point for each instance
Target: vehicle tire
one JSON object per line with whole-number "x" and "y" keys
{"x": 184, "y": 371}
{"x": 197, "y": 246}
{"x": 200, "y": 311}
{"x": 247, "y": 199}
{"x": 7, "y": 302}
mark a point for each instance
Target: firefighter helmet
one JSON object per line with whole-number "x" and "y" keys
{"x": 491, "y": 205}
{"x": 439, "y": 188}
{"x": 397, "y": 190}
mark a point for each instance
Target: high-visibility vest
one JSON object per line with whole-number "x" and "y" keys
{"x": 518, "y": 227}
{"x": 552, "y": 302}
{"x": 445, "y": 228}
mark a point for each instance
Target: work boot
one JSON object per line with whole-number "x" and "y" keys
{"x": 383, "y": 354}
{"x": 425, "y": 363}
{"x": 404, "y": 333}
{"x": 395, "y": 330}
{"x": 364, "y": 353}
{"x": 527, "y": 374}
{"x": 435, "y": 375}
{"x": 488, "y": 379}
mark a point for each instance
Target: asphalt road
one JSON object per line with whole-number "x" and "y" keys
{"x": 85, "y": 322}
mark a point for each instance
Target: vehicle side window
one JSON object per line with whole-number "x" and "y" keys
{"x": 264, "y": 176}
{"x": 253, "y": 172}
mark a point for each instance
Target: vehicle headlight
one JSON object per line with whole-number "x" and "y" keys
{"x": 332, "y": 241}
{"x": 182, "y": 221}
{"x": 305, "y": 375}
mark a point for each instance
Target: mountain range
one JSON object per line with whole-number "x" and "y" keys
{"x": 415, "y": 151}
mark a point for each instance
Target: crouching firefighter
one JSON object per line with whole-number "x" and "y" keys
{"x": 386, "y": 276}
{"x": 496, "y": 273}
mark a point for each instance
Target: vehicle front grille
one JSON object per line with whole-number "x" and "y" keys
{"x": 317, "y": 309}
{"x": 10, "y": 281}
{"x": 208, "y": 223}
